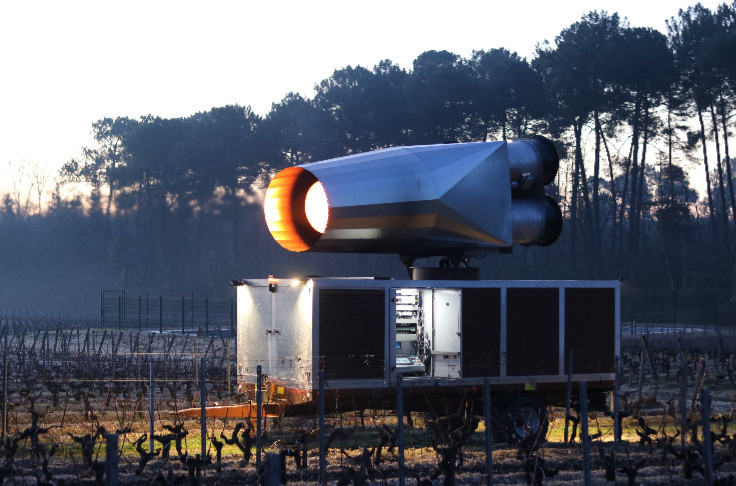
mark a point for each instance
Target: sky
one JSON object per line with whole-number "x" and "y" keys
{"x": 64, "y": 65}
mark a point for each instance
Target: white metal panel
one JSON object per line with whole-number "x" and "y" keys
{"x": 291, "y": 336}
{"x": 254, "y": 321}
{"x": 446, "y": 366}
{"x": 446, "y": 313}
{"x": 425, "y": 296}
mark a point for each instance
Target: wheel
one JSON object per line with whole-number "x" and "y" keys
{"x": 524, "y": 418}
{"x": 527, "y": 421}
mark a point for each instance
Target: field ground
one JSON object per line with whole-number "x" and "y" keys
{"x": 76, "y": 383}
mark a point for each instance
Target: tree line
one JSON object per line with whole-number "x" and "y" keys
{"x": 174, "y": 205}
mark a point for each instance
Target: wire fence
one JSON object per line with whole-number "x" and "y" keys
{"x": 143, "y": 312}
{"x": 662, "y": 311}
{"x": 642, "y": 311}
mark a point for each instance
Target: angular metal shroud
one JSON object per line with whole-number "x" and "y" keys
{"x": 419, "y": 200}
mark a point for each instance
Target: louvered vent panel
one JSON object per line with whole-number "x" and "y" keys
{"x": 532, "y": 331}
{"x": 481, "y": 332}
{"x": 590, "y": 329}
{"x": 352, "y": 333}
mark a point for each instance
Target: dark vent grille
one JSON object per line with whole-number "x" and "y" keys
{"x": 352, "y": 333}
{"x": 590, "y": 329}
{"x": 481, "y": 331}
{"x": 532, "y": 325}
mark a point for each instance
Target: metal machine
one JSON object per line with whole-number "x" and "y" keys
{"x": 442, "y": 337}
{"x": 442, "y": 332}
{"x": 452, "y": 200}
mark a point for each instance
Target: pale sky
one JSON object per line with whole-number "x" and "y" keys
{"x": 67, "y": 64}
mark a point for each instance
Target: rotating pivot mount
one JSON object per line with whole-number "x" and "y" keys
{"x": 449, "y": 268}
{"x": 451, "y": 201}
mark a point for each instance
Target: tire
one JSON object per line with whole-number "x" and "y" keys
{"x": 524, "y": 418}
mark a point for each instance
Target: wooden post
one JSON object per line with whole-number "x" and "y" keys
{"x": 259, "y": 404}
{"x": 233, "y": 332}
{"x": 273, "y": 470}
{"x": 583, "y": 392}
{"x": 322, "y": 451}
{"x": 196, "y": 369}
{"x": 700, "y": 378}
{"x": 641, "y": 372}
{"x": 5, "y": 387}
{"x": 489, "y": 434}
{"x": 707, "y": 444}
{"x": 682, "y": 349}
{"x": 232, "y": 316}
{"x": 400, "y": 426}
{"x": 56, "y": 338}
{"x": 569, "y": 394}
{"x": 84, "y": 348}
{"x": 102, "y": 342}
{"x": 616, "y": 410}
{"x": 150, "y": 405}
{"x": 683, "y": 405}
{"x": 227, "y": 360}
{"x": 203, "y": 404}
{"x": 645, "y": 342}
{"x": 111, "y": 460}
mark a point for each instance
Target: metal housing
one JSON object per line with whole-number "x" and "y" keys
{"x": 516, "y": 333}
{"x": 453, "y": 199}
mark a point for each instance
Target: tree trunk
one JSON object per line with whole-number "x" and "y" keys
{"x": 235, "y": 225}
{"x": 719, "y": 168}
{"x": 729, "y": 180}
{"x": 596, "y": 226}
{"x": 707, "y": 175}
{"x": 670, "y": 130}
{"x": 622, "y": 208}
{"x": 641, "y": 180}
{"x": 614, "y": 209}
{"x": 729, "y": 173}
{"x": 633, "y": 204}
{"x": 574, "y": 243}
{"x": 110, "y": 198}
{"x": 587, "y": 216}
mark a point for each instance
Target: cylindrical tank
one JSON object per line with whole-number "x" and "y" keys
{"x": 533, "y": 158}
{"x": 535, "y": 221}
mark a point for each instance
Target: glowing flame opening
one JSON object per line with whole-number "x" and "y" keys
{"x": 296, "y": 208}
{"x": 315, "y": 205}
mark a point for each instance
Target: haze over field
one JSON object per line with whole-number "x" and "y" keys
{"x": 139, "y": 137}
